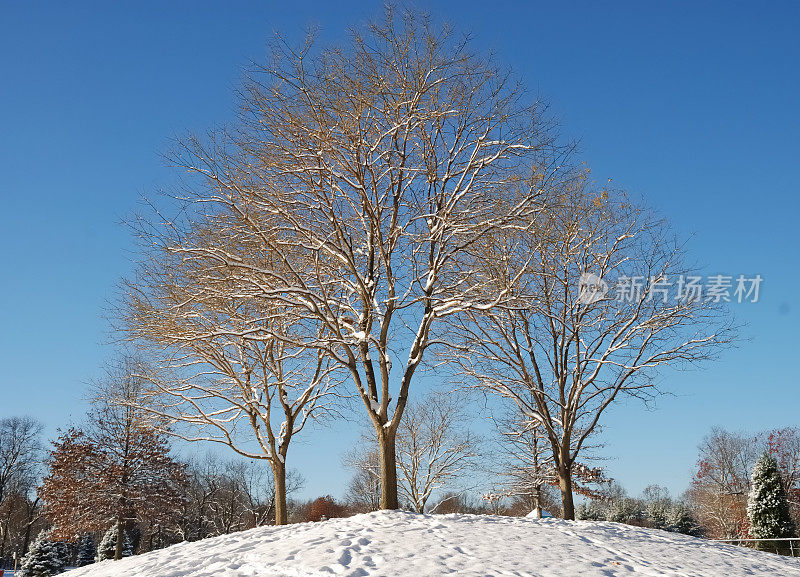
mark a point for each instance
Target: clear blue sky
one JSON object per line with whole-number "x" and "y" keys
{"x": 692, "y": 105}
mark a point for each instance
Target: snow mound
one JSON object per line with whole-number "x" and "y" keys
{"x": 399, "y": 544}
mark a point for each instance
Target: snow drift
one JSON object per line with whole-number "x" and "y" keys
{"x": 401, "y": 544}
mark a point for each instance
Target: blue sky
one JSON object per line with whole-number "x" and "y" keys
{"x": 693, "y": 106}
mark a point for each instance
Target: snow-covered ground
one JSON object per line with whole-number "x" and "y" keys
{"x": 406, "y": 544}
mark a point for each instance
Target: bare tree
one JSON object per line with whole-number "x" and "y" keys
{"x": 719, "y": 489}
{"x": 20, "y": 460}
{"x": 434, "y": 447}
{"x": 231, "y": 369}
{"x": 564, "y": 355}
{"x": 369, "y": 171}
{"x": 20, "y": 449}
{"x": 525, "y": 458}
{"x": 364, "y": 489}
{"x": 202, "y": 486}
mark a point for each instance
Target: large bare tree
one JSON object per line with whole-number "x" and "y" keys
{"x": 563, "y": 349}
{"x": 367, "y": 173}
{"x": 231, "y": 369}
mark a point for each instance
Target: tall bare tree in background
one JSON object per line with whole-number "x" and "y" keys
{"x": 370, "y": 171}
{"x": 720, "y": 487}
{"x": 434, "y": 447}
{"x": 20, "y": 461}
{"x": 564, "y": 355}
{"x": 20, "y": 448}
{"x": 364, "y": 489}
{"x": 525, "y": 458}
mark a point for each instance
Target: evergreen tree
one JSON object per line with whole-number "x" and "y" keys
{"x": 767, "y": 506}
{"x": 87, "y": 550}
{"x": 44, "y": 558}
{"x": 108, "y": 545}
{"x": 658, "y": 513}
{"x": 626, "y": 510}
{"x": 591, "y": 511}
{"x": 64, "y": 552}
{"x": 681, "y": 520}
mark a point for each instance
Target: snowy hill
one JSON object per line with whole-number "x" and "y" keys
{"x": 406, "y": 544}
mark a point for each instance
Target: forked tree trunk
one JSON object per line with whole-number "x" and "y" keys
{"x": 386, "y": 443}
{"x": 279, "y": 474}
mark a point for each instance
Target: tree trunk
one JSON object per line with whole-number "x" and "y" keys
{"x": 565, "y": 485}
{"x": 386, "y": 442}
{"x": 27, "y": 540}
{"x": 4, "y": 530}
{"x": 279, "y": 474}
{"x": 120, "y": 539}
{"x": 29, "y": 525}
{"x": 537, "y": 501}
{"x": 123, "y": 505}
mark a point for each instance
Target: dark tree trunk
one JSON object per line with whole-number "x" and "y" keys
{"x": 279, "y": 474}
{"x": 565, "y": 486}
{"x": 5, "y": 531}
{"x": 120, "y": 538}
{"x": 386, "y": 442}
{"x": 29, "y": 525}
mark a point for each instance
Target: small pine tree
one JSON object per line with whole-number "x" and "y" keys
{"x": 681, "y": 520}
{"x": 626, "y": 510}
{"x": 87, "y": 551}
{"x": 44, "y": 558}
{"x": 658, "y": 513}
{"x": 591, "y": 511}
{"x": 767, "y": 506}
{"x": 64, "y": 553}
{"x": 108, "y": 545}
